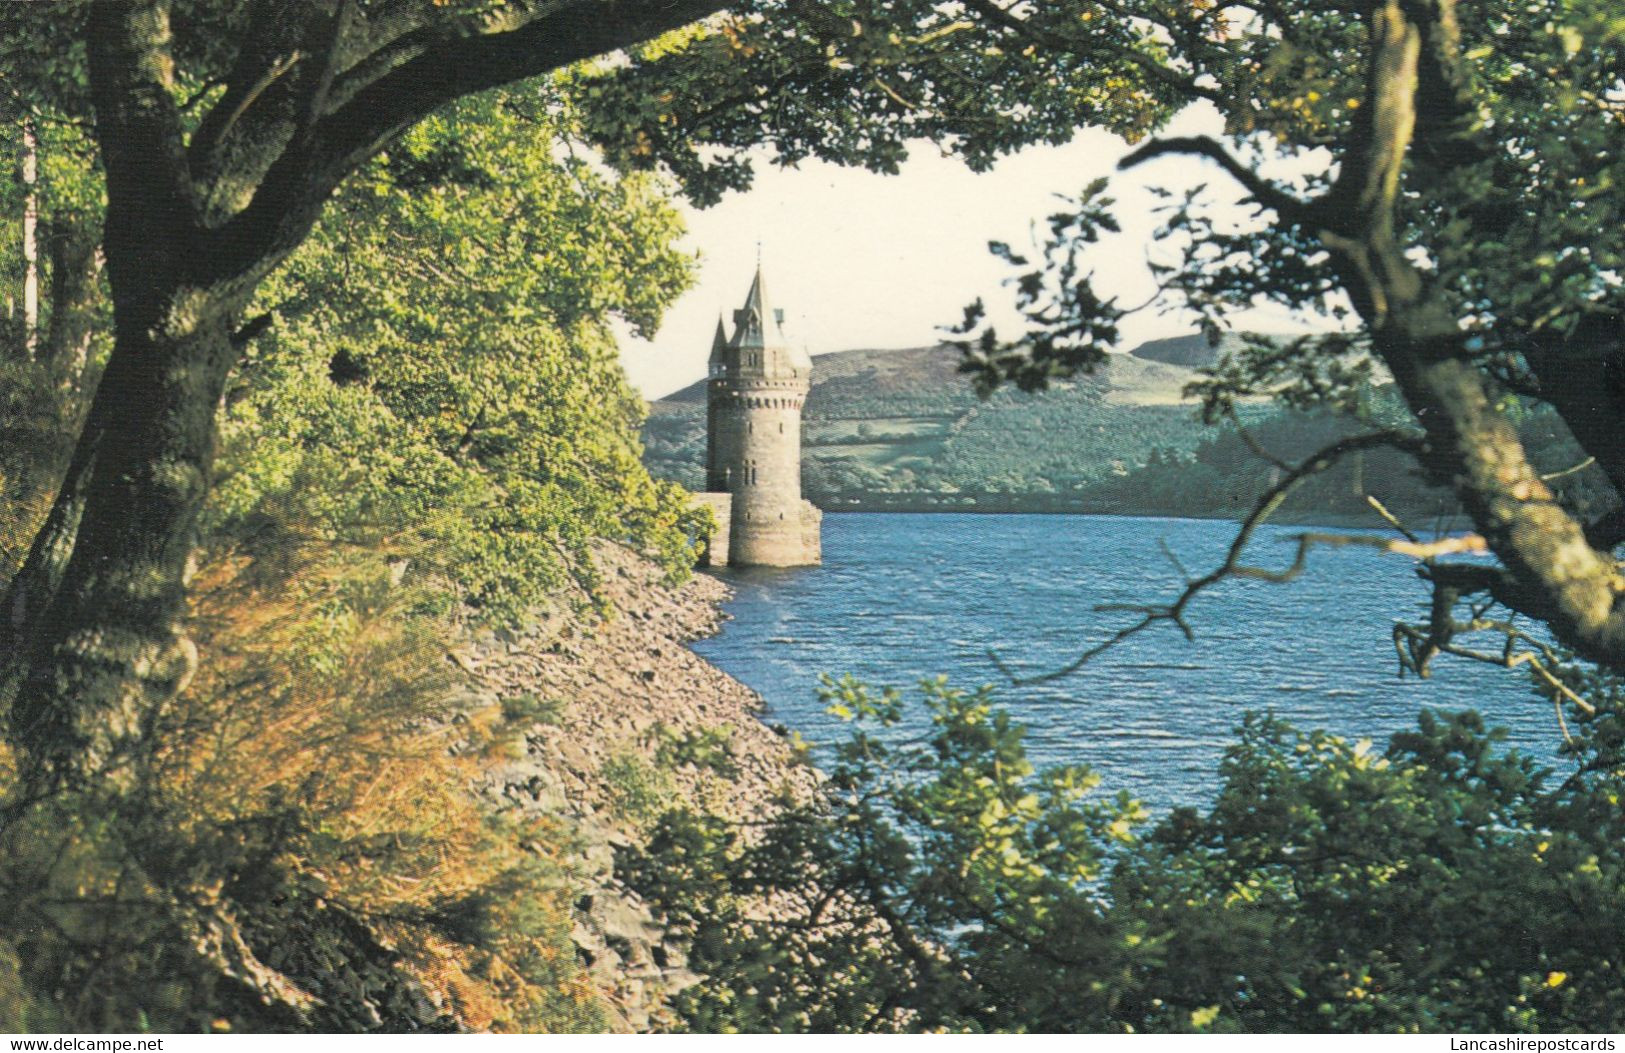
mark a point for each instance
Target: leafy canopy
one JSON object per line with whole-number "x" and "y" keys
{"x": 441, "y": 373}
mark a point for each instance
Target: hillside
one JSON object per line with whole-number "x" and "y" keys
{"x": 902, "y": 430}
{"x": 894, "y": 428}
{"x": 896, "y": 422}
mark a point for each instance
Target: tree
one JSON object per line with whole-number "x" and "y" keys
{"x": 441, "y": 378}
{"x": 941, "y": 882}
{"x": 223, "y": 128}
{"x": 199, "y": 213}
{"x": 57, "y": 193}
{"x": 431, "y": 432}
{"x": 1468, "y": 219}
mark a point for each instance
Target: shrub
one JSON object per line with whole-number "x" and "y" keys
{"x": 306, "y": 848}
{"x": 1442, "y": 884}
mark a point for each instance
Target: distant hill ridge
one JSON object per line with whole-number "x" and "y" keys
{"x": 1131, "y": 378}
{"x": 905, "y": 421}
{"x": 903, "y": 430}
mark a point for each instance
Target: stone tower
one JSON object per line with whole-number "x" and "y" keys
{"x": 757, "y": 386}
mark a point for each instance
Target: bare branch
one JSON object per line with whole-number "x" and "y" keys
{"x": 1232, "y": 567}
{"x": 1423, "y": 550}
{"x": 1582, "y": 466}
{"x": 1288, "y": 206}
{"x": 1539, "y": 658}
{"x": 1389, "y": 518}
{"x": 1250, "y": 440}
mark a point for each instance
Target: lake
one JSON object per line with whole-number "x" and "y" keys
{"x": 902, "y": 597}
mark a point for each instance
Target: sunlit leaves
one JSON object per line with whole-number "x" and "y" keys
{"x": 941, "y": 884}
{"x": 442, "y": 373}
{"x": 1068, "y": 325}
{"x": 856, "y": 81}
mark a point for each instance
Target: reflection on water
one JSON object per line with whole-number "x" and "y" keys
{"x": 903, "y": 597}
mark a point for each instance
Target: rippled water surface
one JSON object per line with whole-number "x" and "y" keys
{"x": 901, "y": 597}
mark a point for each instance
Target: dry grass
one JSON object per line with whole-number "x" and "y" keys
{"x": 324, "y": 761}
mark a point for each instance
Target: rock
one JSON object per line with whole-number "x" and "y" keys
{"x": 603, "y": 677}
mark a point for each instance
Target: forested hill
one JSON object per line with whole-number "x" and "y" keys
{"x": 903, "y": 430}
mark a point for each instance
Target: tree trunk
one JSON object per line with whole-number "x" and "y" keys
{"x": 93, "y": 634}
{"x": 75, "y": 252}
{"x": 1552, "y": 571}
{"x": 30, "y": 181}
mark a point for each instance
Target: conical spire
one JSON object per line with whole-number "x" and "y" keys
{"x": 756, "y": 324}
{"x": 719, "y": 343}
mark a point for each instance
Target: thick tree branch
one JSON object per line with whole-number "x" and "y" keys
{"x": 1448, "y": 120}
{"x": 275, "y": 91}
{"x": 151, "y": 208}
{"x": 570, "y": 33}
{"x": 287, "y": 200}
{"x": 1551, "y": 569}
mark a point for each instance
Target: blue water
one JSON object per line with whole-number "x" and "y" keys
{"x": 901, "y": 597}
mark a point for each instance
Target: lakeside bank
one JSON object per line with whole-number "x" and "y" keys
{"x": 627, "y": 721}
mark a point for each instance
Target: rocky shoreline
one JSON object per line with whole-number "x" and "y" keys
{"x": 623, "y": 720}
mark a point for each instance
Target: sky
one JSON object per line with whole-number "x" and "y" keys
{"x": 860, "y": 260}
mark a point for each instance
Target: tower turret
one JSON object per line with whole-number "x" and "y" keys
{"x": 758, "y": 384}
{"x": 716, "y": 463}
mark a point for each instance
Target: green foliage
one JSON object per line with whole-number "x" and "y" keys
{"x": 35, "y": 441}
{"x": 638, "y": 790}
{"x": 1442, "y": 884}
{"x": 436, "y": 420}
{"x": 855, "y": 81}
{"x": 707, "y": 749}
{"x": 441, "y": 377}
{"x": 1060, "y": 344}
